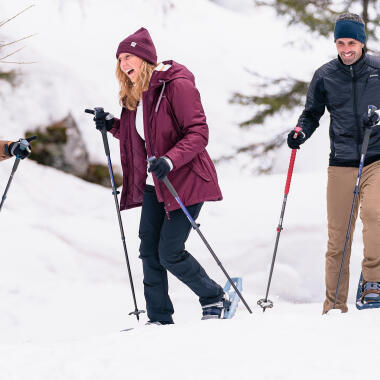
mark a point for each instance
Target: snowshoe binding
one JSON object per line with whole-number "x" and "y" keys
{"x": 368, "y": 294}
{"x": 226, "y": 307}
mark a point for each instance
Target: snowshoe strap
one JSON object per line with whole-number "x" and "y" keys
{"x": 370, "y": 287}
{"x": 216, "y": 304}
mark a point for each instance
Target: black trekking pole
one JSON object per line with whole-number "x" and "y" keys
{"x": 24, "y": 145}
{"x": 196, "y": 227}
{"x": 264, "y": 302}
{"x": 136, "y": 312}
{"x": 367, "y": 134}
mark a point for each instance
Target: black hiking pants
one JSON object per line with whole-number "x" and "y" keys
{"x": 162, "y": 248}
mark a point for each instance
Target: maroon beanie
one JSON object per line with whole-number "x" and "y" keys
{"x": 139, "y": 44}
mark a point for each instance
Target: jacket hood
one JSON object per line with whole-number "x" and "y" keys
{"x": 174, "y": 72}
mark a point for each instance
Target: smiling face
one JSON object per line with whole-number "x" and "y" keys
{"x": 349, "y": 50}
{"x": 130, "y": 65}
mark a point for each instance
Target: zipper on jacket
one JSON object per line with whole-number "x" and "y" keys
{"x": 355, "y": 105}
{"x": 161, "y": 94}
{"x": 131, "y": 170}
{"x": 154, "y": 153}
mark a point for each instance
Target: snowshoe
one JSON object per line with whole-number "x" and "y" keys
{"x": 215, "y": 310}
{"x": 232, "y": 296}
{"x": 368, "y": 295}
{"x": 226, "y": 307}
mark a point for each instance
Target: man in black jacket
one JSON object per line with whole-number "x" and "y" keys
{"x": 346, "y": 86}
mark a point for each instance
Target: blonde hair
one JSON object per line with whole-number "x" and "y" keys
{"x": 130, "y": 93}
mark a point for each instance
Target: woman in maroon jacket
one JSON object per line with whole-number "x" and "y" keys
{"x": 162, "y": 116}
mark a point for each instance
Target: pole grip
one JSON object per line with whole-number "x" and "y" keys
{"x": 290, "y": 170}
{"x": 166, "y": 181}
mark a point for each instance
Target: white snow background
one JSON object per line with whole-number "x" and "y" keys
{"x": 64, "y": 290}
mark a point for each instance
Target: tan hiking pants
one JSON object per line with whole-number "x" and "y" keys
{"x": 340, "y": 188}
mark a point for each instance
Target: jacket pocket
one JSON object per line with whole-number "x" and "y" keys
{"x": 198, "y": 166}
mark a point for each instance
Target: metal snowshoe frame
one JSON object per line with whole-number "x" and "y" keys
{"x": 233, "y": 297}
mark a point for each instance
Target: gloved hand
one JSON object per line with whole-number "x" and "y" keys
{"x": 370, "y": 121}
{"x": 21, "y": 148}
{"x": 295, "y": 142}
{"x": 160, "y": 168}
{"x": 103, "y": 119}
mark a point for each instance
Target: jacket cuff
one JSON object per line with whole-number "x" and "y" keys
{"x": 115, "y": 130}
{"x": 169, "y": 161}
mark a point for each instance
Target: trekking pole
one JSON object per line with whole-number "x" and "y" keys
{"x": 264, "y": 302}
{"x": 367, "y": 133}
{"x": 24, "y": 145}
{"x": 136, "y": 312}
{"x": 196, "y": 227}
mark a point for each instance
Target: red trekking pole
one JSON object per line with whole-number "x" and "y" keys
{"x": 264, "y": 302}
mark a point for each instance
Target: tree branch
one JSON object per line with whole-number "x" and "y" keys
{"x": 21, "y": 39}
{"x": 10, "y": 19}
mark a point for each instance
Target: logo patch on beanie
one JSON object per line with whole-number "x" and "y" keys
{"x": 133, "y": 44}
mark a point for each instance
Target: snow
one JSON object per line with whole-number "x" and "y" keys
{"x": 64, "y": 287}
{"x": 242, "y": 349}
{"x": 65, "y": 294}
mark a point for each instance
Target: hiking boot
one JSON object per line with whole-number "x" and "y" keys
{"x": 215, "y": 310}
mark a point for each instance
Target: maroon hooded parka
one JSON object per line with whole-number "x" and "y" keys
{"x": 174, "y": 126}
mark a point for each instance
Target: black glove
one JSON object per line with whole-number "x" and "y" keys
{"x": 295, "y": 142}
{"x": 21, "y": 148}
{"x": 370, "y": 121}
{"x": 160, "y": 168}
{"x": 103, "y": 120}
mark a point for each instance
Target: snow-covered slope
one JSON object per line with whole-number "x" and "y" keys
{"x": 65, "y": 295}
{"x": 63, "y": 281}
{"x": 295, "y": 346}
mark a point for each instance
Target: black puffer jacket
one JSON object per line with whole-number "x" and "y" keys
{"x": 346, "y": 91}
